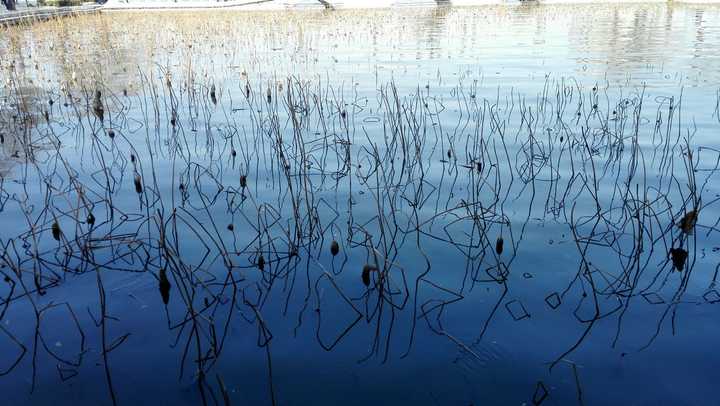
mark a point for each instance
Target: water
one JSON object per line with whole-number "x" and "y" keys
{"x": 583, "y": 120}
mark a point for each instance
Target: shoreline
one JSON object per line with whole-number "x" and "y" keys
{"x": 27, "y": 14}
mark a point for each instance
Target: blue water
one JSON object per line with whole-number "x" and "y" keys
{"x": 584, "y": 120}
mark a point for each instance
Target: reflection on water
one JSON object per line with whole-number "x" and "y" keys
{"x": 494, "y": 205}
{"x": 655, "y": 43}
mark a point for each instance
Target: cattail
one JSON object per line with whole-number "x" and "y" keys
{"x": 173, "y": 118}
{"x": 243, "y": 181}
{"x": 213, "y": 97}
{"x": 125, "y": 92}
{"x": 449, "y": 153}
{"x": 499, "y": 245}
{"x": 138, "y": 183}
{"x": 132, "y": 158}
{"x": 111, "y": 133}
{"x": 687, "y": 223}
{"x": 366, "y": 273}
{"x": 247, "y": 90}
{"x": 56, "y": 232}
{"x": 46, "y": 115}
{"x": 479, "y": 166}
{"x": 269, "y": 95}
{"x": 91, "y": 219}
{"x": 343, "y": 114}
{"x": 334, "y": 248}
{"x": 164, "y": 286}
{"x": 98, "y": 108}
{"x": 233, "y": 152}
{"x": 230, "y": 227}
{"x": 261, "y": 262}
{"x": 678, "y": 256}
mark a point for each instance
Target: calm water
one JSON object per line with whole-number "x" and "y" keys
{"x": 522, "y": 183}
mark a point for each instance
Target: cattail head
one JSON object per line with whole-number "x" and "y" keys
{"x": 499, "y": 245}
{"x": 56, "y": 232}
{"x": 243, "y": 181}
{"x": 687, "y": 223}
{"x": 269, "y": 95}
{"x": 213, "y": 96}
{"x": 230, "y": 227}
{"x": 366, "y": 273}
{"x": 97, "y": 106}
{"x": 334, "y": 248}
{"x": 91, "y": 219}
{"x": 261, "y": 262}
{"x": 138, "y": 183}
{"x": 164, "y": 285}
{"x": 678, "y": 256}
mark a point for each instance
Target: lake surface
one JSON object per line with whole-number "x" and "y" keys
{"x": 496, "y": 205}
